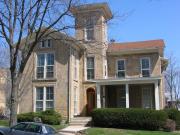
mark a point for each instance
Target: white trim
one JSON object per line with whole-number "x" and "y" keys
{"x": 98, "y": 94}
{"x": 157, "y": 106}
{"x": 149, "y": 59}
{"x": 127, "y": 95}
{"x": 121, "y": 70}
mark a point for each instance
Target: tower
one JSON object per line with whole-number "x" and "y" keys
{"x": 91, "y": 22}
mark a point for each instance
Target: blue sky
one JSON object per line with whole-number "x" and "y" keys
{"x": 146, "y": 20}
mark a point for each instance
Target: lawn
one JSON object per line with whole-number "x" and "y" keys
{"x": 111, "y": 131}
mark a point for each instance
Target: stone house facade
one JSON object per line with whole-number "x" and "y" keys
{"x": 75, "y": 76}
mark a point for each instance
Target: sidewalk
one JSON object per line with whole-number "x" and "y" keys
{"x": 71, "y": 130}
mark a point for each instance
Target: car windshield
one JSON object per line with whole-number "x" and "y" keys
{"x": 33, "y": 128}
{"x": 20, "y": 126}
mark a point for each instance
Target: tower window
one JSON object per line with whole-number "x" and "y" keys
{"x": 89, "y": 29}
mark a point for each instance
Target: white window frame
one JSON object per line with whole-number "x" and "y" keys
{"x": 45, "y": 65}
{"x": 90, "y": 68}
{"x": 146, "y": 68}
{"x": 44, "y": 97}
{"x": 121, "y": 70}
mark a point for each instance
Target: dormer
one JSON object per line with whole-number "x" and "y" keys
{"x": 91, "y": 21}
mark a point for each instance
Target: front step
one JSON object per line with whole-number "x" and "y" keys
{"x": 80, "y": 121}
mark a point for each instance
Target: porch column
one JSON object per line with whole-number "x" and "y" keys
{"x": 127, "y": 95}
{"x": 157, "y": 107}
{"x": 98, "y": 94}
{"x": 103, "y": 97}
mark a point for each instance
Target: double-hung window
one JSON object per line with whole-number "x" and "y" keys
{"x": 44, "y": 98}
{"x": 46, "y": 43}
{"x": 89, "y": 29}
{"x": 90, "y": 68}
{"x": 121, "y": 68}
{"x": 145, "y": 67}
{"x": 45, "y": 65}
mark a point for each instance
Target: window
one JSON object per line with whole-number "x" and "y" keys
{"x": 45, "y": 65}
{"x": 21, "y": 126}
{"x": 50, "y": 130}
{"x": 46, "y": 43}
{"x": 121, "y": 68}
{"x": 145, "y": 67}
{"x": 44, "y": 98}
{"x": 90, "y": 68}
{"x": 34, "y": 128}
{"x": 147, "y": 97}
{"x": 89, "y": 29}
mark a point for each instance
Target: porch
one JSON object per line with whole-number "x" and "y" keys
{"x": 131, "y": 93}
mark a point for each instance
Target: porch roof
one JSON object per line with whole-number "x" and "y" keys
{"x": 137, "y": 80}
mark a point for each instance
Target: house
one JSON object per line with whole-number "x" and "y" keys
{"x": 4, "y": 87}
{"x": 86, "y": 72}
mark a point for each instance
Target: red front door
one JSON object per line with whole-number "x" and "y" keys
{"x": 90, "y": 100}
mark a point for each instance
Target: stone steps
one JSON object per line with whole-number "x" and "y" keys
{"x": 80, "y": 121}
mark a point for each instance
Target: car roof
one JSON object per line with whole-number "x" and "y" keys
{"x": 36, "y": 123}
{"x": 41, "y": 124}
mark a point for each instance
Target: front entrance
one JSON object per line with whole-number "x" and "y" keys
{"x": 90, "y": 100}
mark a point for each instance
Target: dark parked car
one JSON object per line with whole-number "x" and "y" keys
{"x": 28, "y": 128}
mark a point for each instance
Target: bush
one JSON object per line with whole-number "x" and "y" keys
{"x": 129, "y": 118}
{"x": 174, "y": 114}
{"x": 48, "y": 117}
{"x": 170, "y": 125}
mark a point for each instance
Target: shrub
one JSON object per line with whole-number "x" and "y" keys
{"x": 48, "y": 117}
{"x": 170, "y": 125}
{"x": 129, "y": 118}
{"x": 174, "y": 114}
{"x": 27, "y": 117}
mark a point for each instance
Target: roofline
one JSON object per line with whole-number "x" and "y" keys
{"x": 93, "y": 7}
{"x": 137, "y": 80}
{"x": 138, "y": 41}
{"x": 133, "y": 51}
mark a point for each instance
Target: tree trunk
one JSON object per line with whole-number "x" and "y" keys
{"x": 13, "y": 101}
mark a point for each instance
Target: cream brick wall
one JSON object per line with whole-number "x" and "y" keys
{"x": 133, "y": 66}
{"x": 60, "y": 80}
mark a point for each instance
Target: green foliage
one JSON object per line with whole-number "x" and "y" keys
{"x": 129, "y": 118}
{"x": 48, "y": 117}
{"x": 174, "y": 114}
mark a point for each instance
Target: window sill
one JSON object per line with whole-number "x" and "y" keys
{"x": 45, "y": 80}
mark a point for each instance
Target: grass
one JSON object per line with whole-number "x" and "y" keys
{"x": 4, "y": 123}
{"x": 111, "y": 131}
{"x": 58, "y": 127}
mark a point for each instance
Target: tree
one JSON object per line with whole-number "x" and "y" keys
{"x": 24, "y": 23}
{"x": 172, "y": 79}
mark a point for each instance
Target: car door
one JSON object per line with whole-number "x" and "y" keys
{"x": 18, "y": 129}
